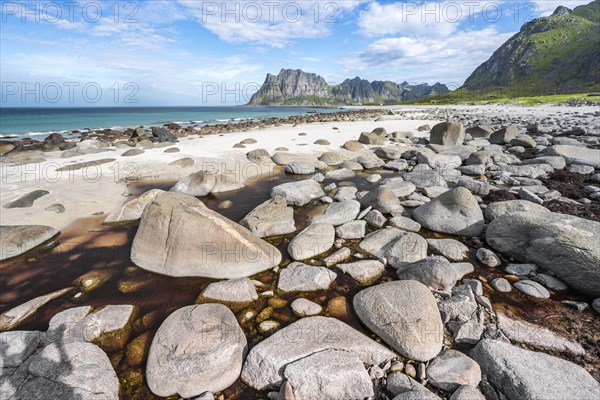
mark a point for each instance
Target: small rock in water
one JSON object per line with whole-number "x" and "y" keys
{"x": 488, "y": 257}
{"x": 268, "y": 326}
{"x": 532, "y": 288}
{"x": 501, "y": 285}
{"x": 305, "y": 308}
{"x": 521, "y": 269}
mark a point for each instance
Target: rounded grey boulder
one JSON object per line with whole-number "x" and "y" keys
{"x": 455, "y": 212}
{"x": 405, "y": 315}
{"x": 196, "y": 349}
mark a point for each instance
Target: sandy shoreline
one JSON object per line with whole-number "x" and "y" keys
{"x": 103, "y": 188}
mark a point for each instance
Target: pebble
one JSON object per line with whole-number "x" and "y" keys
{"x": 488, "y": 257}
{"x": 532, "y": 288}
{"x": 501, "y": 285}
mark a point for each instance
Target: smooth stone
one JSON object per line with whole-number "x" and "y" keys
{"x": 425, "y": 179}
{"x": 19, "y": 239}
{"x": 461, "y": 306}
{"x": 550, "y": 282}
{"x": 381, "y": 199}
{"x": 267, "y": 361}
{"x": 467, "y": 393}
{"x": 198, "y": 184}
{"x": 521, "y": 269}
{"x": 536, "y": 336}
{"x": 364, "y": 272}
{"x": 576, "y": 154}
{"x": 271, "y": 218}
{"x": 26, "y": 200}
{"x": 488, "y": 257}
{"x": 298, "y": 193}
{"x": 501, "y": 285}
{"x": 57, "y": 208}
{"x": 235, "y": 291}
{"x": 345, "y": 193}
{"x": 339, "y": 174}
{"x": 339, "y": 213}
{"x": 300, "y": 167}
{"x": 452, "y": 369}
{"x": 329, "y": 374}
{"x": 388, "y": 308}
{"x": 185, "y": 162}
{"x": 299, "y": 277}
{"x": 18, "y": 315}
{"x": 455, "y": 212}
{"x": 305, "y": 308}
{"x": 499, "y": 209}
{"x": 312, "y": 241}
{"x": 375, "y": 218}
{"x": 132, "y": 152}
{"x": 133, "y": 209}
{"x": 196, "y": 349}
{"x": 434, "y": 272}
{"x": 406, "y": 224}
{"x": 342, "y": 254}
{"x": 447, "y": 133}
{"x": 331, "y": 158}
{"x": 532, "y": 289}
{"x": 522, "y": 374}
{"x": 352, "y": 230}
{"x": 450, "y": 248}
{"x": 225, "y": 250}
{"x": 398, "y": 382}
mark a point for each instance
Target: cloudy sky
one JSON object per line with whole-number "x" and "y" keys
{"x": 192, "y": 52}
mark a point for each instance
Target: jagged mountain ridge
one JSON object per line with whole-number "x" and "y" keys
{"x": 555, "y": 54}
{"x": 296, "y": 87}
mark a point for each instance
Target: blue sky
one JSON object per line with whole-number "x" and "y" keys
{"x": 192, "y": 52}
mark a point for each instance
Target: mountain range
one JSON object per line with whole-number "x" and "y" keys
{"x": 296, "y": 87}
{"x": 555, "y": 54}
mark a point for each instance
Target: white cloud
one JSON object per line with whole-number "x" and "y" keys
{"x": 427, "y": 59}
{"x": 408, "y": 18}
{"x": 274, "y": 24}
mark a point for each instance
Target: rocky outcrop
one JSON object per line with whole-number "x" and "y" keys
{"x": 296, "y": 87}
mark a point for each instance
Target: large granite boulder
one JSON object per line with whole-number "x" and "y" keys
{"x": 179, "y": 236}
{"x": 455, "y": 212}
{"x": 526, "y": 375}
{"x": 563, "y": 244}
{"x": 266, "y": 363}
{"x": 447, "y": 133}
{"x": 405, "y": 315}
{"x": 196, "y": 349}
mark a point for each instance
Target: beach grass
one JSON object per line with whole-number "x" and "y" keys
{"x": 471, "y": 98}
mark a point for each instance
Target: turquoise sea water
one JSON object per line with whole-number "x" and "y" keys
{"x": 39, "y": 122}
